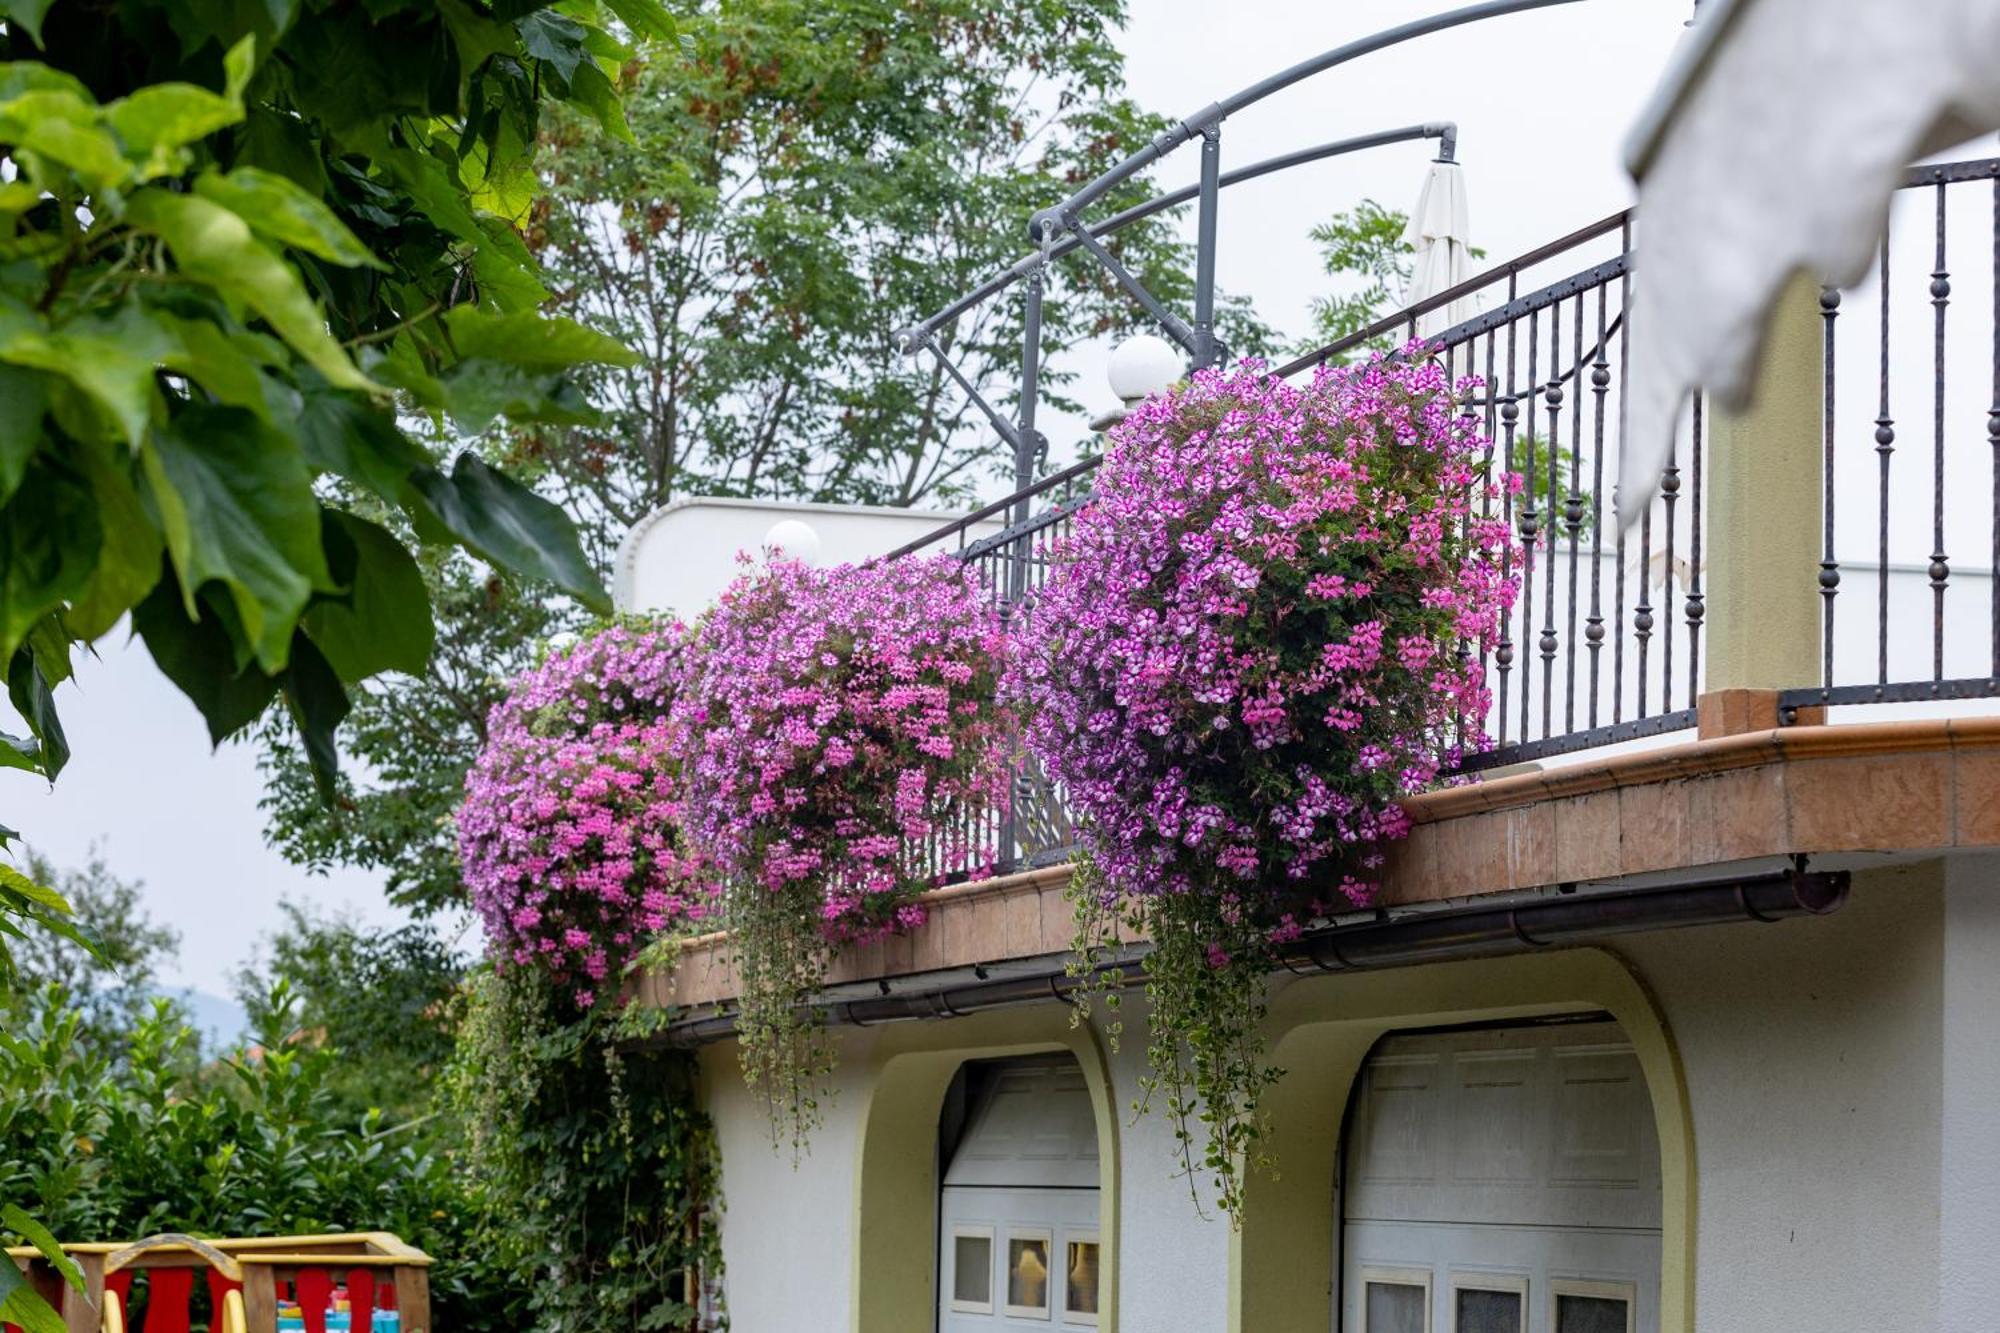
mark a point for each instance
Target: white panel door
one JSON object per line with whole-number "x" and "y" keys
{"x": 1017, "y": 1241}
{"x": 1502, "y": 1181}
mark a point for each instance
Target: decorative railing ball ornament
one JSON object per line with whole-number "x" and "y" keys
{"x": 1264, "y": 630}
{"x": 570, "y": 829}
{"x": 847, "y": 751}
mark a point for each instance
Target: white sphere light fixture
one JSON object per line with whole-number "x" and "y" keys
{"x": 794, "y": 539}
{"x": 1143, "y": 365}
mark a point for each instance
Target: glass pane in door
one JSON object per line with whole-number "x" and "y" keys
{"x": 972, "y": 1270}
{"x": 1591, "y": 1314}
{"x": 1476, "y": 1311}
{"x": 1395, "y": 1307}
{"x": 1080, "y": 1282}
{"x": 1027, "y": 1273}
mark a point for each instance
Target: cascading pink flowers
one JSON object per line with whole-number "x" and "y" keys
{"x": 569, "y": 832}
{"x": 1265, "y": 629}
{"x": 847, "y": 729}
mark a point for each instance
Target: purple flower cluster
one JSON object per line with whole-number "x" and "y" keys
{"x": 847, "y": 732}
{"x": 569, "y": 833}
{"x": 1265, "y": 630}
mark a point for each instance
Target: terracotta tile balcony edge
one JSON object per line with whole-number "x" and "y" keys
{"x": 1906, "y": 786}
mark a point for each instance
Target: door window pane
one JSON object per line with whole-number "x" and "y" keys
{"x": 1395, "y": 1307}
{"x": 972, "y": 1270}
{"x": 1477, "y": 1311}
{"x": 1080, "y": 1279}
{"x": 1028, "y": 1274}
{"x": 1591, "y": 1314}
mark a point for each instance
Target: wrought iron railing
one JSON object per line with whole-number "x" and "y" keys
{"x": 1912, "y": 366}
{"x": 1605, "y": 643}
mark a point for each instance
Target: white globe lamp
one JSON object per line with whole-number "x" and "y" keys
{"x": 1143, "y": 365}
{"x": 794, "y": 539}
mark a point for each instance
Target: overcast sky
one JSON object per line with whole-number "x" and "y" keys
{"x": 1542, "y": 101}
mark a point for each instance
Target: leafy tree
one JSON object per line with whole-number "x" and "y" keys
{"x": 231, "y": 235}
{"x": 1364, "y": 247}
{"x": 112, "y": 983}
{"x": 379, "y": 997}
{"x": 814, "y": 177}
{"x": 809, "y": 178}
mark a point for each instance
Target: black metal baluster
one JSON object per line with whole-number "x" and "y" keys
{"x": 1697, "y": 604}
{"x": 1509, "y": 411}
{"x": 1530, "y": 523}
{"x": 1670, "y": 494}
{"x": 1940, "y": 569}
{"x": 1492, "y": 413}
{"x": 1829, "y": 567}
{"x": 1885, "y": 447}
{"x": 1573, "y": 511}
{"x": 1618, "y": 593}
{"x": 1553, "y": 396}
{"x": 1600, "y": 384}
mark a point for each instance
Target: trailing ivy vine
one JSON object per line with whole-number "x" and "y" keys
{"x": 596, "y": 1170}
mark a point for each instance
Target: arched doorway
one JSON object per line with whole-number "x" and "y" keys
{"x": 1501, "y": 1178}
{"x": 1019, "y": 1245}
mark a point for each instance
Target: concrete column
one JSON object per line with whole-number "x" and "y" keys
{"x": 1764, "y": 511}
{"x": 1969, "y": 1165}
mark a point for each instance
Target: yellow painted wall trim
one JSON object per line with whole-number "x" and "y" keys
{"x": 1321, "y": 1029}
{"x": 894, "y": 1282}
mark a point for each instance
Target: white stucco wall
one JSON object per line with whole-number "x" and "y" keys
{"x": 1819, "y": 1062}
{"x": 680, "y": 557}
{"x": 1969, "y": 1166}
{"x": 1812, "y": 1056}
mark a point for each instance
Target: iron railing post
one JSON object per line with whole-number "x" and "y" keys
{"x": 1204, "y": 270}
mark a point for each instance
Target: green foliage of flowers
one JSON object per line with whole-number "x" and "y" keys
{"x": 592, "y": 1168}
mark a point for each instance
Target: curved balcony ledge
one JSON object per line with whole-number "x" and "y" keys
{"x": 1890, "y": 787}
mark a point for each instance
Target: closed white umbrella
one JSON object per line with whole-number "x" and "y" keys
{"x": 1772, "y": 149}
{"x": 1441, "y": 237}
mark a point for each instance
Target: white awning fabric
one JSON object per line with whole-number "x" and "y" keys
{"x": 1773, "y": 149}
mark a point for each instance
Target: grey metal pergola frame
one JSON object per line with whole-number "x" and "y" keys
{"x": 1060, "y": 230}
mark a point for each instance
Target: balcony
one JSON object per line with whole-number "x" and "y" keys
{"x": 1781, "y": 658}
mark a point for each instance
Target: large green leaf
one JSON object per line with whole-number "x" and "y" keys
{"x": 510, "y": 525}
{"x": 27, "y": 15}
{"x": 477, "y": 391}
{"x": 37, "y": 1235}
{"x": 198, "y": 656}
{"x": 24, "y": 398}
{"x": 28, "y": 690}
{"x": 128, "y": 564}
{"x": 318, "y": 705}
{"x": 280, "y": 211}
{"x": 64, "y": 127}
{"x": 532, "y": 342}
{"x": 351, "y": 438}
{"x": 383, "y": 622}
{"x": 21, "y": 1306}
{"x": 235, "y": 501}
{"x": 644, "y": 18}
{"x": 213, "y": 245}
{"x": 158, "y": 122}
{"x": 110, "y": 359}
{"x": 224, "y": 363}
{"x": 49, "y": 540}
